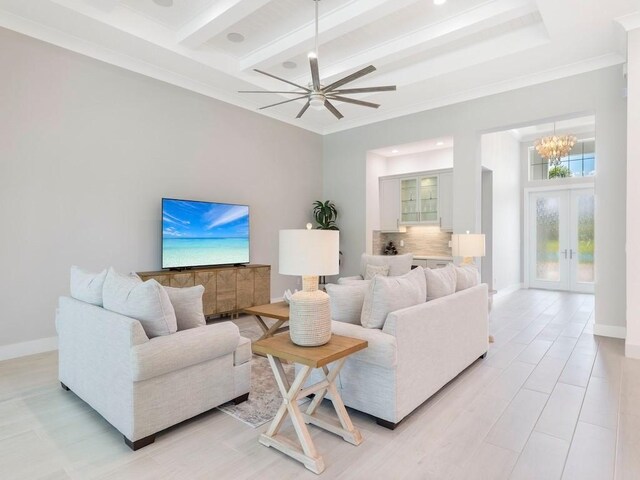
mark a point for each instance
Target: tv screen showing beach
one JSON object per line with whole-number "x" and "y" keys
{"x": 203, "y": 233}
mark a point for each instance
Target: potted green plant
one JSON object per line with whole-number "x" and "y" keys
{"x": 325, "y": 215}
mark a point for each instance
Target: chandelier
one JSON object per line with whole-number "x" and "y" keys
{"x": 555, "y": 147}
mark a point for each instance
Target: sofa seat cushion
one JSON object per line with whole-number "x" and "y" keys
{"x": 381, "y": 350}
{"x": 387, "y": 294}
{"x": 169, "y": 353}
{"x": 398, "y": 264}
{"x": 147, "y": 302}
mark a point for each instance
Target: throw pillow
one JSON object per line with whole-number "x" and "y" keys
{"x": 86, "y": 286}
{"x": 398, "y": 264}
{"x": 440, "y": 281}
{"x": 373, "y": 270}
{"x": 187, "y": 303}
{"x": 346, "y": 301}
{"x": 467, "y": 276}
{"x": 388, "y": 294}
{"x": 147, "y": 302}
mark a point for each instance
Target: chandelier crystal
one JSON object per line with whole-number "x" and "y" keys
{"x": 554, "y": 147}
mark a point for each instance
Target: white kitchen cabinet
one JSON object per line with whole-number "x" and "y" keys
{"x": 390, "y": 205}
{"x": 445, "y": 201}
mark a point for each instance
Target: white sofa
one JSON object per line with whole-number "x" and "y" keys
{"x": 140, "y": 385}
{"x": 418, "y": 350}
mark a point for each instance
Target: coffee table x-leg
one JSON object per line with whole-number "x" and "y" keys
{"x": 291, "y": 393}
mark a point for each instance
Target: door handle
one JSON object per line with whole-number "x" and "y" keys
{"x": 565, "y": 253}
{"x": 571, "y": 254}
{"x": 440, "y": 222}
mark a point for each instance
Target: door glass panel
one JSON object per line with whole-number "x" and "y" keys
{"x": 429, "y": 199}
{"x": 586, "y": 239}
{"x": 547, "y": 239}
{"x": 410, "y": 200}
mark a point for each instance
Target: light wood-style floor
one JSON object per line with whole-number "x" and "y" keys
{"x": 551, "y": 401}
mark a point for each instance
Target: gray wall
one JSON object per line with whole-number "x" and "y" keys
{"x": 599, "y": 92}
{"x": 87, "y": 150}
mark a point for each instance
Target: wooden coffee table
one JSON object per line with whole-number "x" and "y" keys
{"x": 278, "y": 311}
{"x": 280, "y": 347}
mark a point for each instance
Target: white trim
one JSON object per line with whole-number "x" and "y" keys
{"x": 612, "y": 331}
{"x": 629, "y": 22}
{"x": 31, "y": 347}
{"x": 510, "y": 289}
{"x": 631, "y": 350}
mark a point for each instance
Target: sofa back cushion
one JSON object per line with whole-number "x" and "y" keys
{"x": 398, "y": 264}
{"x": 187, "y": 303}
{"x": 86, "y": 286}
{"x": 147, "y": 302}
{"x": 440, "y": 281}
{"x": 467, "y": 276}
{"x": 346, "y": 301}
{"x": 388, "y": 294}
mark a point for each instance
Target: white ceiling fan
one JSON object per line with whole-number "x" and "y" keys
{"x": 318, "y": 95}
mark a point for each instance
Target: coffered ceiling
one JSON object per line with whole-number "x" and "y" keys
{"x": 435, "y": 54}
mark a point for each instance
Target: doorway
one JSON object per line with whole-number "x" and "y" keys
{"x": 561, "y": 239}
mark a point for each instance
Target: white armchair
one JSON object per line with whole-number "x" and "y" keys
{"x": 143, "y": 386}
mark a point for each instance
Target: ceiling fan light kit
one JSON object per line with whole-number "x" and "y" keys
{"x": 318, "y": 96}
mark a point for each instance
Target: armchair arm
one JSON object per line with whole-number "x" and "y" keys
{"x": 182, "y": 349}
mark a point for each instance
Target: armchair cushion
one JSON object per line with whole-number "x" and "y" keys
{"x": 147, "y": 302}
{"x": 182, "y": 349}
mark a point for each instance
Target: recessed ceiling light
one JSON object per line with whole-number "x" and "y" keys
{"x": 235, "y": 37}
{"x": 164, "y": 3}
{"x": 289, "y": 64}
{"x": 394, "y": 151}
{"x": 439, "y": 2}
{"x": 439, "y": 144}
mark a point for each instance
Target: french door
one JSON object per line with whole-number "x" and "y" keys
{"x": 561, "y": 239}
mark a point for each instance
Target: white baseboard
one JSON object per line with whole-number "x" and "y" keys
{"x": 632, "y": 351}
{"x": 612, "y": 331}
{"x": 32, "y": 347}
{"x": 510, "y": 289}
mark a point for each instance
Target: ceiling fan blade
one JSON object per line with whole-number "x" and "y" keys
{"x": 333, "y": 109}
{"x": 304, "y": 109}
{"x": 350, "y": 78}
{"x": 354, "y": 101}
{"x": 280, "y": 103}
{"x": 315, "y": 72}
{"x": 282, "y": 80}
{"x": 387, "y": 88}
{"x": 270, "y": 91}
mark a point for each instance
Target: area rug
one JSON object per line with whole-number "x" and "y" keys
{"x": 264, "y": 397}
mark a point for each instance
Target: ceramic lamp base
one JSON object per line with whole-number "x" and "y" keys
{"x": 310, "y": 315}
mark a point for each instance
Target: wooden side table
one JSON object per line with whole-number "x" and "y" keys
{"x": 278, "y": 311}
{"x": 280, "y": 347}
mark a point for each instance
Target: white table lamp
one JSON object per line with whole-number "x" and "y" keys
{"x": 309, "y": 253}
{"x": 467, "y": 245}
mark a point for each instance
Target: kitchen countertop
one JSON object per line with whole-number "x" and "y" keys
{"x": 430, "y": 257}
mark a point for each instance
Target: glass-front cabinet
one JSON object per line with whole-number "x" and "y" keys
{"x": 420, "y": 200}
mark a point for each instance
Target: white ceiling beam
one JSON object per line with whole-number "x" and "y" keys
{"x": 472, "y": 21}
{"x": 222, "y": 15}
{"x": 333, "y": 24}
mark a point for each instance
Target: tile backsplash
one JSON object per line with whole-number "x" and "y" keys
{"x": 423, "y": 240}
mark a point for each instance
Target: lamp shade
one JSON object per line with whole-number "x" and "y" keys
{"x": 309, "y": 252}
{"x": 467, "y": 245}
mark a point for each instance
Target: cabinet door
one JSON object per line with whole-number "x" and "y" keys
{"x": 208, "y": 280}
{"x": 262, "y": 286}
{"x": 181, "y": 280}
{"x": 428, "y": 199}
{"x": 389, "y": 204}
{"x": 409, "y": 197}
{"x": 226, "y": 290}
{"x": 244, "y": 285}
{"x": 445, "y": 201}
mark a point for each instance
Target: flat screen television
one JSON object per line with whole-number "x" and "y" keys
{"x": 196, "y": 234}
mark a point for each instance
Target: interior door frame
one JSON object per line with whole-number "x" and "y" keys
{"x": 527, "y": 219}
